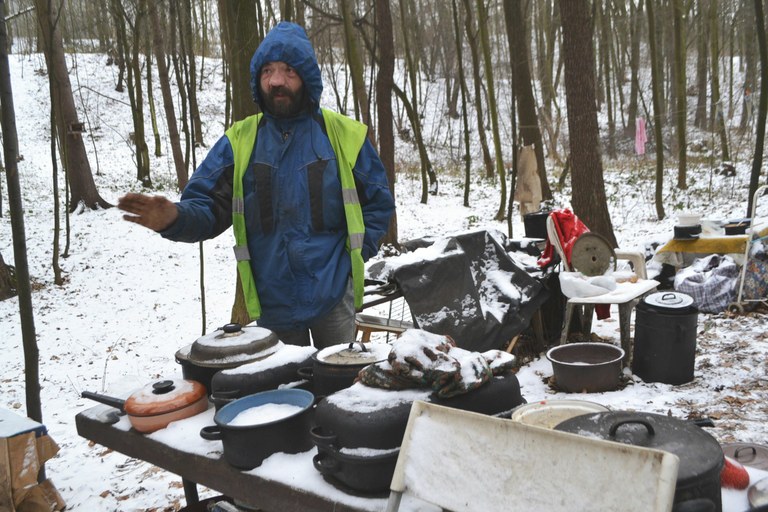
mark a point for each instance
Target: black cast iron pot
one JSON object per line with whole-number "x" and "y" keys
{"x": 272, "y": 372}
{"x": 246, "y": 446}
{"x": 701, "y": 457}
{"x": 227, "y": 347}
{"x": 499, "y": 395}
{"x": 336, "y": 367}
{"x": 363, "y": 471}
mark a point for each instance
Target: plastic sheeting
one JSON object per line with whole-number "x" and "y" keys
{"x": 470, "y": 290}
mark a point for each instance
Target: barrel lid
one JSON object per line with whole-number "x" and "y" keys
{"x": 669, "y": 300}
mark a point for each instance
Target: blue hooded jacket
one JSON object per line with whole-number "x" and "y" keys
{"x": 292, "y": 192}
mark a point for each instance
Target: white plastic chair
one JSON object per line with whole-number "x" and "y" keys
{"x": 626, "y": 295}
{"x": 464, "y": 461}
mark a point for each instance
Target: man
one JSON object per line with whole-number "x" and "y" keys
{"x": 304, "y": 190}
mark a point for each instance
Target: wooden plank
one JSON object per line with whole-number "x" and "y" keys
{"x": 217, "y": 474}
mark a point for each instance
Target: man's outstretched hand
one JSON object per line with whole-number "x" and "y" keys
{"x": 153, "y": 212}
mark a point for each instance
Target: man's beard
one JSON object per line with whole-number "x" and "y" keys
{"x": 289, "y": 105}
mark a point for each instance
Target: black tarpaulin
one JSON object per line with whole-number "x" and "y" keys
{"x": 470, "y": 290}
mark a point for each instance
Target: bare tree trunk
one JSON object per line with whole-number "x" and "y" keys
{"x": 165, "y": 88}
{"x": 355, "y": 63}
{"x": 757, "y": 161}
{"x": 658, "y": 116}
{"x": 700, "y": 120}
{"x": 188, "y": 48}
{"x": 464, "y": 95}
{"x": 11, "y": 154}
{"x": 588, "y": 186}
{"x": 718, "y": 114}
{"x": 472, "y": 40}
{"x": 240, "y": 41}
{"x": 78, "y": 170}
{"x": 680, "y": 87}
{"x": 384, "y": 83}
{"x": 482, "y": 23}
{"x": 526, "y": 103}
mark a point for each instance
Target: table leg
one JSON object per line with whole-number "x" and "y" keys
{"x": 190, "y": 491}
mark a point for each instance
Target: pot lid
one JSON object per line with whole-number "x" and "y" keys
{"x": 669, "y": 300}
{"x": 748, "y": 454}
{"x": 164, "y": 396}
{"x": 354, "y": 353}
{"x": 700, "y": 454}
{"x": 231, "y": 345}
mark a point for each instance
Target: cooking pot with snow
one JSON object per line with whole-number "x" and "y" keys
{"x": 701, "y": 457}
{"x": 227, "y": 347}
{"x": 254, "y": 427}
{"x": 155, "y": 405}
{"x": 336, "y": 367}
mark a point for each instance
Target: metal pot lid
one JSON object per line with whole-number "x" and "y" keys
{"x": 592, "y": 254}
{"x": 354, "y": 353}
{"x": 669, "y": 300}
{"x": 231, "y": 345}
{"x": 748, "y": 454}
{"x": 164, "y": 396}
{"x": 700, "y": 454}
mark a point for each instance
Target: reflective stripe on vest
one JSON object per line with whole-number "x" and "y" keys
{"x": 347, "y": 137}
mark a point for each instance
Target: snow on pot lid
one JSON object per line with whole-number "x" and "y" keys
{"x": 231, "y": 344}
{"x": 354, "y": 353}
{"x": 669, "y": 300}
{"x": 164, "y": 396}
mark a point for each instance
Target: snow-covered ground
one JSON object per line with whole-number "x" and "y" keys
{"x": 132, "y": 299}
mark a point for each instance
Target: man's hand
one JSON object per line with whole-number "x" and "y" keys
{"x": 153, "y": 212}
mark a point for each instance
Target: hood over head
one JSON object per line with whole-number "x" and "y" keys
{"x": 288, "y": 42}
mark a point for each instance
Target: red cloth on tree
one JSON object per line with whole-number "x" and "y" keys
{"x": 569, "y": 228}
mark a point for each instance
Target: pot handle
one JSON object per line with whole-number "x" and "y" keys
{"x": 320, "y": 438}
{"x": 117, "y": 403}
{"x": 324, "y": 464}
{"x": 306, "y": 373}
{"x": 616, "y": 424}
{"x": 363, "y": 348}
{"x": 738, "y": 453}
{"x": 211, "y": 433}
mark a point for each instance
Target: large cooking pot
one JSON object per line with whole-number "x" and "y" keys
{"x": 227, "y": 347}
{"x": 499, "y": 395}
{"x": 254, "y": 427}
{"x": 336, "y": 367}
{"x": 586, "y": 367}
{"x": 701, "y": 457}
{"x": 550, "y": 413}
{"x": 157, "y": 404}
{"x": 269, "y": 373}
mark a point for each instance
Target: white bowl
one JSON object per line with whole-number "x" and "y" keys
{"x": 688, "y": 219}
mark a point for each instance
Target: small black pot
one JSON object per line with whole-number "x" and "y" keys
{"x": 701, "y": 457}
{"x": 328, "y": 377}
{"x": 246, "y": 446}
{"x": 364, "y": 473}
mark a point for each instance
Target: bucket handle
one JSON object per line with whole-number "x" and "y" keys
{"x": 616, "y": 424}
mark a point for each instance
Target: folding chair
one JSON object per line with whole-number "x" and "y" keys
{"x": 464, "y": 461}
{"x": 625, "y": 296}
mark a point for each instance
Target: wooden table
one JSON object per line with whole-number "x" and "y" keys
{"x": 98, "y": 424}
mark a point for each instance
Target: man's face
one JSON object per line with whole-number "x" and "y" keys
{"x": 282, "y": 89}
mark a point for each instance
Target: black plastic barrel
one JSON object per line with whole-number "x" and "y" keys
{"x": 665, "y": 343}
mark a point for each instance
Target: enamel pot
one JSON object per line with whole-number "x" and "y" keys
{"x": 157, "y": 404}
{"x": 586, "y": 367}
{"x": 336, "y": 367}
{"x": 701, "y": 457}
{"x": 227, "y": 347}
{"x": 250, "y": 429}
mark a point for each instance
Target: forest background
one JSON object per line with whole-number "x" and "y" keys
{"x": 571, "y": 78}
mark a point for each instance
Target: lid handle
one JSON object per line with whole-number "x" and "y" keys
{"x": 232, "y": 328}
{"x": 162, "y": 387}
{"x": 616, "y": 424}
{"x": 363, "y": 348}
